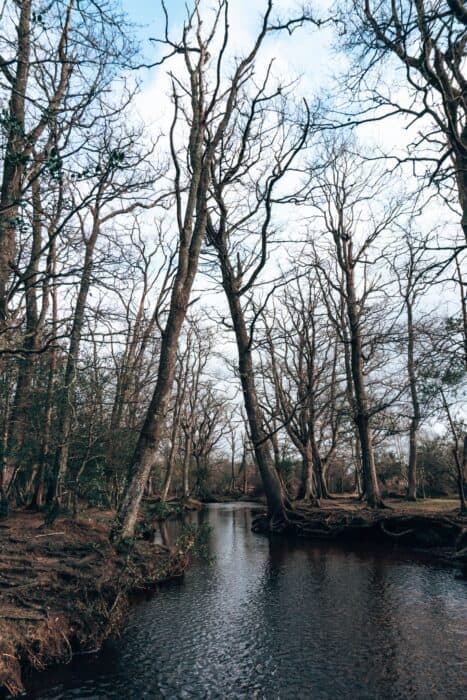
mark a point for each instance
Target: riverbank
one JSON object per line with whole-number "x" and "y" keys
{"x": 64, "y": 589}
{"x": 436, "y": 527}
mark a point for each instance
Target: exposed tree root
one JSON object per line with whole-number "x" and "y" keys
{"x": 395, "y": 534}
{"x": 427, "y": 531}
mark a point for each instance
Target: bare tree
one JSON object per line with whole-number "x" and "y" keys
{"x": 209, "y": 118}
{"x": 427, "y": 38}
{"x": 302, "y": 354}
{"x": 238, "y": 207}
{"x": 342, "y": 197}
{"x": 54, "y": 73}
{"x": 411, "y": 268}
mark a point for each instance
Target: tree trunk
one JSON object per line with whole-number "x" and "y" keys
{"x": 4, "y": 441}
{"x": 415, "y": 420}
{"x": 192, "y": 231}
{"x": 18, "y": 448}
{"x": 244, "y": 469}
{"x": 307, "y": 483}
{"x": 459, "y": 461}
{"x": 460, "y": 163}
{"x": 232, "y": 466}
{"x": 66, "y": 408}
{"x": 170, "y": 468}
{"x": 13, "y": 164}
{"x": 276, "y": 499}
{"x": 318, "y": 468}
{"x": 149, "y": 438}
{"x": 362, "y": 417}
{"x": 460, "y": 467}
{"x": 186, "y": 467}
{"x": 38, "y": 498}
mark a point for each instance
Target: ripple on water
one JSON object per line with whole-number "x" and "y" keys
{"x": 278, "y": 620}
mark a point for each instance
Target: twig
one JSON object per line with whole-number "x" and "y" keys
{"x": 46, "y": 534}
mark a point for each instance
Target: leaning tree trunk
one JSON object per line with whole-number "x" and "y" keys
{"x": 150, "y": 435}
{"x": 66, "y": 409}
{"x": 277, "y": 501}
{"x": 149, "y": 438}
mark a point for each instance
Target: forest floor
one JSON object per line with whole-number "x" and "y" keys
{"x": 64, "y": 589}
{"x": 447, "y": 505}
{"x": 434, "y": 525}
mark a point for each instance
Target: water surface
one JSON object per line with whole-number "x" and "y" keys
{"x": 276, "y": 619}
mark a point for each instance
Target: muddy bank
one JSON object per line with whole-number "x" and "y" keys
{"x": 443, "y": 535}
{"x": 234, "y": 498}
{"x": 65, "y": 589}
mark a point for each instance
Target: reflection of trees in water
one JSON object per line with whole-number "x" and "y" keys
{"x": 294, "y": 619}
{"x": 313, "y": 598}
{"x": 351, "y": 618}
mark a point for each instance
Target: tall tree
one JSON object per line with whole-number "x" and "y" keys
{"x": 209, "y": 115}
{"x": 239, "y": 206}
{"x": 302, "y": 355}
{"x": 342, "y": 198}
{"x": 427, "y": 38}
{"x": 410, "y": 267}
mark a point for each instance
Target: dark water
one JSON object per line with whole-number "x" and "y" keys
{"x": 285, "y": 620}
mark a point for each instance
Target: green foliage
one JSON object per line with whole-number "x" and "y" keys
{"x": 38, "y": 18}
{"x": 54, "y": 164}
{"x": 116, "y": 159}
{"x": 96, "y": 489}
{"x": 10, "y": 123}
{"x": 161, "y": 510}
{"x": 202, "y": 488}
{"x": 286, "y": 467}
{"x": 435, "y": 464}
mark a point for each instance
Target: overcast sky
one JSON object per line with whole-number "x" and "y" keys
{"x": 310, "y": 55}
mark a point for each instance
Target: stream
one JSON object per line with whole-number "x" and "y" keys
{"x": 284, "y": 619}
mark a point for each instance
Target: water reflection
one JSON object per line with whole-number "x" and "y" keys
{"x": 275, "y": 619}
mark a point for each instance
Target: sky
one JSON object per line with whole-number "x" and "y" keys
{"x": 244, "y": 20}
{"x": 309, "y": 55}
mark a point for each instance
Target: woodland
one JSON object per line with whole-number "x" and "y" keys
{"x": 252, "y": 297}
{"x": 257, "y": 293}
